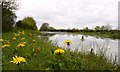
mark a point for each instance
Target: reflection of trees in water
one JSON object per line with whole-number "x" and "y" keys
{"x": 45, "y": 35}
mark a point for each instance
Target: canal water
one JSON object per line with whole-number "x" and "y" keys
{"x": 106, "y": 46}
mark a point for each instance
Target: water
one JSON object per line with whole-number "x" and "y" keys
{"x": 105, "y": 45}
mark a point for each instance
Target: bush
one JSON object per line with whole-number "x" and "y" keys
{"x": 27, "y": 23}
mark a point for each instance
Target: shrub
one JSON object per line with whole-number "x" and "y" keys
{"x": 27, "y": 23}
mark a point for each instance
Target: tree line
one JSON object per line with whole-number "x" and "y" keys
{"x": 47, "y": 27}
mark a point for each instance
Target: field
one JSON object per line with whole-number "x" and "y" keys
{"x": 23, "y": 50}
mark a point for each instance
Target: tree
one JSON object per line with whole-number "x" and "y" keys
{"x": 44, "y": 27}
{"x": 27, "y": 23}
{"x": 97, "y": 28}
{"x": 86, "y": 29}
{"x": 102, "y": 28}
{"x": 8, "y": 14}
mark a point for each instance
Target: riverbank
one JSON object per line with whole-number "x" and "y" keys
{"x": 39, "y": 54}
{"x": 109, "y": 34}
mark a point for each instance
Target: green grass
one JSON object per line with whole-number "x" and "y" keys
{"x": 44, "y": 58}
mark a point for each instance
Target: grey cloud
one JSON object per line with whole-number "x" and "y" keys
{"x": 70, "y": 13}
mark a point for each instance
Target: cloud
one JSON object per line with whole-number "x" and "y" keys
{"x": 71, "y": 13}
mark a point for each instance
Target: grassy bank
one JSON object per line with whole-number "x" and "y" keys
{"x": 104, "y": 34}
{"x": 39, "y": 54}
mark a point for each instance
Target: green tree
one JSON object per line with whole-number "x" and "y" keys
{"x": 27, "y": 23}
{"x": 8, "y": 14}
{"x": 86, "y": 29}
{"x": 97, "y": 28}
{"x": 45, "y": 27}
{"x": 102, "y": 28}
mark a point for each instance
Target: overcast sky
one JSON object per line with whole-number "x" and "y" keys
{"x": 70, "y": 13}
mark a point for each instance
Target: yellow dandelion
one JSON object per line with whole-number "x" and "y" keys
{"x": 22, "y": 59}
{"x": 1, "y": 40}
{"x": 18, "y": 60}
{"x": 15, "y": 34}
{"x": 21, "y": 45}
{"x": 13, "y": 38}
{"x": 18, "y": 34}
{"x": 59, "y": 51}
{"x": 22, "y": 32}
{"x": 5, "y": 45}
{"x": 68, "y": 42}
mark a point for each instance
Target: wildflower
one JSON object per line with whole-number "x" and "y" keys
{"x": 20, "y": 45}
{"x": 18, "y": 60}
{"x": 5, "y": 45}
{"x": 13, "y": 38}
{"x": 1, "y": 40}
{"x": 22, "y": 38}
{"x": 7, "y": 41}
{"x": 59, "y": 51}
{"x": 15, "y": 34}
{"x": 22, "y": 32}
{"x": 68, "y": 42}
{"x": 18, "y": 34}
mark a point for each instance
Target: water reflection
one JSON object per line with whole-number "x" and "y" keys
{"x": 85, "y": 43}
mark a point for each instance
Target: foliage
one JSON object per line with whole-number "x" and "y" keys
{"x": 39, "y": 55}
{"x": 97, "y": 28}
{"x": 8, "y": 14}
{"x": 86, "y": 29}
{"x": 27, "y": 23}
{"x": 46, "y": 27}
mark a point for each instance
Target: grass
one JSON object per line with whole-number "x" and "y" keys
{"x": 39, "y": 55}
{"x": 102, "y": 34}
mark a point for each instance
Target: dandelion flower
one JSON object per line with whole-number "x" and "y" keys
{"x": 5, "y": 45}
{"x": 68, "y": 42}
{"x": 22, "y": 32}
{"x": 18, "y": 34}
{"x": 13, "y": 38}
{"x": 15, "y": 34}
{"x": 59, "y": 51}
{"x": 20, "y": 45}
{"x": 18, "y": 60}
